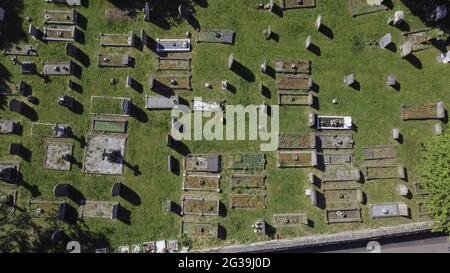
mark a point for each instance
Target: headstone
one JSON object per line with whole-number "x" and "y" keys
{"x": 444, "y": 58}
{"x": 267, "y": 33}
{"x": 349, "y": 79}
{"x": 263, "y": 67}
{"x": 406, "y": 48}
{"x": 129, "y": 81}
{"x": 144, "y": 37}
{"x": 34, "y": 32}
{"x": 391, "y": 80}
{"x": 231, "y": 61}
{"x": 225, "y": 85}
{"x": 308, "y": 42}
{"x": 170, "y": 160}
{"x": 311, "y": 178}
{"x": 403, "y": 190}
{"x": 271, "y": 6}
{"x": 396, "y": 133}
{"x": 318, "y": 22}
{"x": 147, "y": 12}
{"x": 385, "y": 40}
{"x": 399, "y": 17}
{"x": 261, "y": 87}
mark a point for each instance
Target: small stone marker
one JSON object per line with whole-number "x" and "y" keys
{"x": 385, "y": 40}
{"x": 308, "y": 42}
{"x": 349, "y": 79}
{"x": 399, "y": 17}
{"x": 438, "y": 129}
{"x": 311, "y": 178}
{"x": 170, "y": 160}
{"x": 225, "y": 85}
{"x": 208, "y": 85}
{"x": 267, "y": 33}
{"x": 318, "y": 22}
{"x": 263, "y": 67}
{"x": 335, "y": 101}
{"x": 391, "y": 80}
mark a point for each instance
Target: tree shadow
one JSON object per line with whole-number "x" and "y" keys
{"x": 201, "y": 3}
{"x": 12, "y": 31}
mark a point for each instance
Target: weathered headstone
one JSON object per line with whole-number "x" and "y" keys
{"x": 396, "y": 133}
{"x": 391, "y": 80}
{"x": 438, "y": 129}
{"x": 225, "y": 85}
{"x": 403, "y": 190}
{"x": 267, "y": 33}
{"x": 263, "y": 67}
{"x": 399, "y": 17}
{"x": 385, "y": 40}
{"x": 129, "y": 81}
{"x": 406, "y": 48}
{"x": 144, "y": 37}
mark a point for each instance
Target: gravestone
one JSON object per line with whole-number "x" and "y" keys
{"x": 399, "y": 17}
{"x": 225, "y": 85}
{"x": 385, "y": 40}
{"x": 396, "y": 133}
{"x": 403, "y": 190}
{"x": 349, "y": 79}
{"x": 129, "y": 81}
{"x": 318, "y": 22}
{"x": 308, "y": 42}
{"x": 406, "y": 48}
{"x": 263, "y": 67}
{"x": 391, "y": 80}
{"x": 231, "y": 61}
{"x": 438, "y": 129}
{"x": 267, "y": 33}
{"x": 147, "y": 12}
{"x": 144, "y": 37}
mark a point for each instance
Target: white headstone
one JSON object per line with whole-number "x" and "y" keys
{"x": 385, "y": 40}
{"x": 318, "y": 22}
{"x": 308, "y": 42}
{"x": 349, "y": 79}
{"x": 399, "y": 16}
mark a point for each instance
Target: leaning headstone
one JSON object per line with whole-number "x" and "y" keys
{"x": 308, "y": 42}
{"x": 349, "y": 79}
{"x": 231, "y": 61}
{"x": 318, "y": 22}
{"x": 385, "y": 40}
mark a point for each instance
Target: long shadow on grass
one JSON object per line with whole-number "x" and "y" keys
{"x": 243, "y": 71}
{"x": 130, "y": 195}
{"x": 12, "y": 31}
{"x": 138, "y": 114}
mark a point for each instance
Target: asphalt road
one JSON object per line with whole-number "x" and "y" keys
{"x": 419, "y": 243}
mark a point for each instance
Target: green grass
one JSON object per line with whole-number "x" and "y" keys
{"x": 375, "y": 110}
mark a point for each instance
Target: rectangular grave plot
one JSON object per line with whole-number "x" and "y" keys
{"x": 341, "y": 173}
{"x": 343, "y": 196}
{"x": 171, "y": 82}
{"x": 424, "y": 111}
{"x": 94, "y": 159}
{"x": 174, "y": 63}
{"x": 386, "y": 210}
{"x": 248, "y": 201}
{"x": 296, "y": 141}
{"x": 290, "y": 219}
{"x": 108, "y": 124}
{"x": 216, "y": 36}
{"x": 379, "y": 152}
{"x": 296, "y": 99}
{"x": 97, "y": 209}
{"x": 293, "y": 66}
{"x": 248, "y": 181}
{"x": 58, "y": 68}
{"x": 55, "y": 153}
{"x": 419, "y": 189}
{"x": 297, "y": 159}
{"x": 384, "y": 172}
{"x": 117, "y": 40}
{"x": 18, "y": 50}
{"x": 343, "y": 215}
{"x": 330, "y": 158}
{"x": 110, "y": 105}
{"x": 294, "y": 82}
{"x": 202, "y": 163}
{"x": 361, "y": 7}
{"x": 114, "y": 60}
{"x": 44, "y": 209}
{"x": 332, "y": 141}
{"x": 255, "y": 161}
{"x": 61, "y": 17}
{"x": 296, "y": 4}
{"x": 119, "y": 14}
{"x": 200, "y": 206}
{"x": 200, "y": 230}
{"x": 59, "y": 34}
{"x": 42, "y": 129}
{"x": 201, "y": 183}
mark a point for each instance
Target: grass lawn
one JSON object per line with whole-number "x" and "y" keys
{"x": 375, "y": 109}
